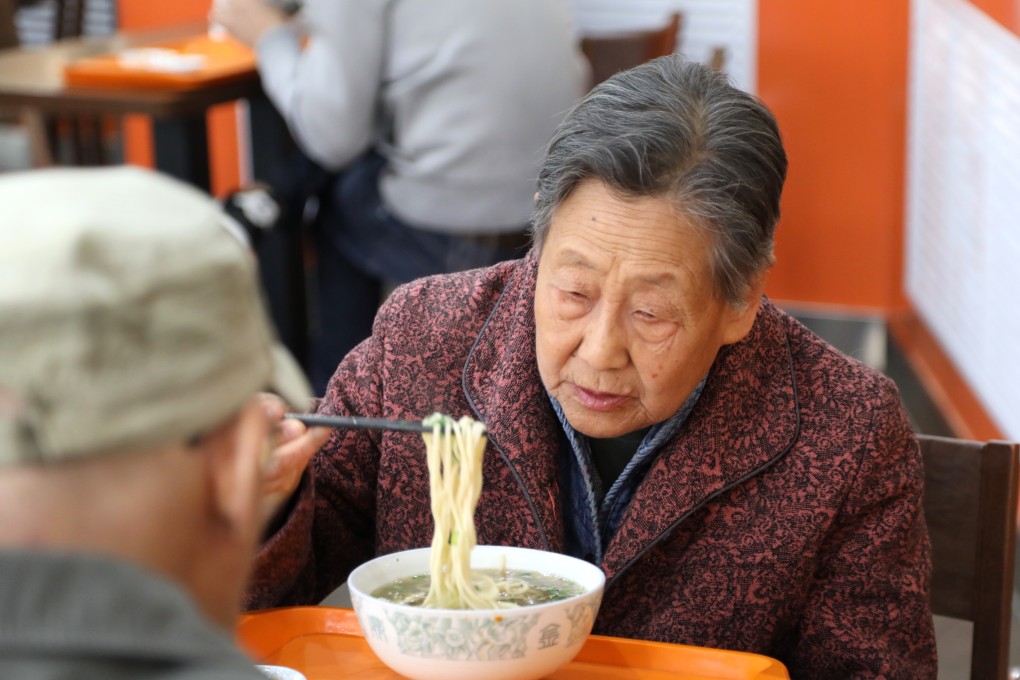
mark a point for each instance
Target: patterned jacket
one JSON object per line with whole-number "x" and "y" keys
{"x": 784, "y": 518}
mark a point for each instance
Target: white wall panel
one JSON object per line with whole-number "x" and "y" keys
{"x": 963, "y": 196}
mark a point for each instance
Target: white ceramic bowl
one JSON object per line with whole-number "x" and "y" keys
{"x": 496, "y": 644}
{"x": 280, "y": 672}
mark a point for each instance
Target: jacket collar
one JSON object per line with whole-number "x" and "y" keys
{"x": 502, "y": 370}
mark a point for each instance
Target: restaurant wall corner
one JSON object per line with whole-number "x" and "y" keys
{"x": 1006, "y": 12}
{"x": 836, "y": 75}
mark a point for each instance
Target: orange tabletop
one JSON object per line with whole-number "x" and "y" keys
{"x": 219, "y": 61}
{"x": 326, "y": 642}
{"x": 82, "y": 76}
{"x": 79, "y": 76}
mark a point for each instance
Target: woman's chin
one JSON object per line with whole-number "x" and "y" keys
{"x": 600, "y": 424}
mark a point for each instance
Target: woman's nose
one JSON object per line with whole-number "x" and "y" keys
{"x": 604, "y": 343}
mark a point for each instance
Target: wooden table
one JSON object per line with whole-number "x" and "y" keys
{"x": 34, "y": 79}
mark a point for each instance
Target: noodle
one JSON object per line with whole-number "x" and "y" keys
{"x": 454, "y": 451}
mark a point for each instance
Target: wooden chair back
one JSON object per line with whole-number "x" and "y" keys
{"x": 69, "y": 19}
{"x": 970, "y": 504}
{"x": 717, "y": 59}
{"x": 610, "y": 54}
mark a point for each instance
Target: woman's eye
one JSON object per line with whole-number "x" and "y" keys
{"x": 645, "y": 315}
{"x": 571, "y": 303}
{"x": 573, "y": 295}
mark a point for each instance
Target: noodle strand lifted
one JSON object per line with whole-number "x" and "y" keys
{"x": 454, "y": 450}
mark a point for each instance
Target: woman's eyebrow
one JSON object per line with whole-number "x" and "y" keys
{"x": 574, "y": 259}
{"x": 658, "y": 279}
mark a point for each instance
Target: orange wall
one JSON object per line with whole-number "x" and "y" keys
{"x": 223, "y": 148}
{"x": 835, "y": 74}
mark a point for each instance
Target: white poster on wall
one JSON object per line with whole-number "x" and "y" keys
{"x": 963, "y": 196}
{"x": 707, "y": 24}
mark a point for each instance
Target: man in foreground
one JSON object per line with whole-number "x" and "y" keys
{"x": 133, "y": 347}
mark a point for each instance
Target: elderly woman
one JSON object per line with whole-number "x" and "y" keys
{"x": 742, "y": 484}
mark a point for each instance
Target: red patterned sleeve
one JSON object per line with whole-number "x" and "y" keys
{"x": 330, "y": 528}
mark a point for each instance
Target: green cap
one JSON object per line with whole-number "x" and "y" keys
{"x": 130, "y": 315}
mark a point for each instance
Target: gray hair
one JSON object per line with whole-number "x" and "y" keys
{"x": 679, "y": 130}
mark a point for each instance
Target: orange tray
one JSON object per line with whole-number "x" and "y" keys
{"x": 326, "y": 642}
{"x": 223, "y": 60}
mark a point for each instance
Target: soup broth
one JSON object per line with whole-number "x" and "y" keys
{"x": 517, "y": 588}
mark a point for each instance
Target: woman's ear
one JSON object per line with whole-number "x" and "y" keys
{"x": 741, "y": 319}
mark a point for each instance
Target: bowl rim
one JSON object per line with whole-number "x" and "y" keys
{"x": 287, "y": 671}
{"x": 595, "y": 570}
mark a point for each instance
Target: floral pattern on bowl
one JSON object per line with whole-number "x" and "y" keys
{"x": 430, "y": 636}
{"x": 582, "y": 619}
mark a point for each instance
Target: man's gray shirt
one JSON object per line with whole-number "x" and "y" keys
{"x": 67, "y": 615}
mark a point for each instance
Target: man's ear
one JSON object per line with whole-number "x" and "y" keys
{"x": 235, "y": 453}
{"x": 741, "y": 319}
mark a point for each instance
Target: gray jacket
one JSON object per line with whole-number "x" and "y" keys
{"x": 92, "y": 618}
{"x": 460, "y": 97}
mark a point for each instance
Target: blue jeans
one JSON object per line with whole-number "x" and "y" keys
{"x": 362, "y": 250}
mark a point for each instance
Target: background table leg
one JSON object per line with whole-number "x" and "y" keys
{"x": 182, "y": 148}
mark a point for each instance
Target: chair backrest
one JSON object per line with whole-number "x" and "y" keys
{"x": 970, "y": 504}
{"x": 609, "y": 54}
{"x": 69, "y": 19}
{"x": 717, "y": 59}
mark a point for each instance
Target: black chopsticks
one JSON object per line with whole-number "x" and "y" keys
{"x": 357, "y": 422}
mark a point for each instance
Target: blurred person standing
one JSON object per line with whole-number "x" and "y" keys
{"x": 434, "y": 115}
{"x": 133, "y": 440}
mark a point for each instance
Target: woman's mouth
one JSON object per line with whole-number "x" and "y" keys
{"x": 597, "y": 401}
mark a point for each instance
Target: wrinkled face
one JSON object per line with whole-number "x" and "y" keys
{"x": 627, "y": 319}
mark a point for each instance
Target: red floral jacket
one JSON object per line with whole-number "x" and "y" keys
{"x": 784, "y": 518}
